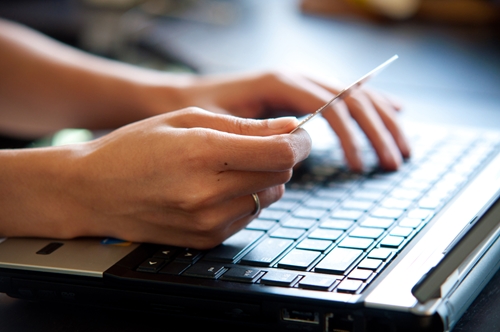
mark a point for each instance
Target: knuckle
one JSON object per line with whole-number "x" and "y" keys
{"x": 274, "y": 77}
{"x": 272, "y": 195}
{"x": 204, "y": 226}
{"x": 241, "y": 125}
{"x": 194, "y": 110}
{"x": 278, "y": 192}
{"x": 197, "y": 201}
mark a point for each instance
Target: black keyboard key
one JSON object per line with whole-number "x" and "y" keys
{"x": 320, "y": 203}
{"x": 331, "y": 193}
{"x": 368, "y": 194}
{"x": 298, "y": 259}
{"x": 284, "y": 205}
{"x": 387, "y": 213}
{"x": 347, "y": 214}
{"x": 408, "y": 194}
{"x": 261, "y": 225}
{"x": 413, "y": 184}
{"x": 360, "y": 274}
{"x": 311, "y": 244}
{"x": 275, "y": 215}
{"x": 325, "y": 234}
{"x": 392, "y": 241}
{"x": 241, "y": 274}
{"x": 308, "y": 213}
{"x": 422, "y": 214}
{"x": 380, "y": 253}
{"x": 166, "y": 254}
{"x": 401, "y": 231}
{"x": 318, "y": 282}
{"x": 356, "y": 243}
{"x": 295, "y": 194}
{"x": 354, "y": 204}
{"x": 410, "y": 222}
{"x": 266, "y": 251}
{"x": 189, "y": 255}
{"x": 370, "y": 264}
{"x": 378, "y": 184}
{"x": 349, "y": 286}
{"x": 396, "y": 203}
{"x": 230, "y": 249}
{"x": 210, "y": 270}
{"x": 174, "y": 268}
{"x": 367, "y": 232}
{"x": 287, "y": 233}
{"x": 299, "y": 223}
{"x": 279, "y": 278}
{"x": 338, "y": 260}
{"x": 337, "y": 224}
{"x": 151, "y": 265}
{"x": 377, "y": 222}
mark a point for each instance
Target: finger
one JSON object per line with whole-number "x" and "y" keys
{"x": 386, "y": 111}
{"x": 221, "y": 151}
{"x": 307, "y": 95}
{"x": 336, "y": 88}
{"x": 362, "y": 111}
{"x": 341, "y": 122}
{"x": 214, "y": 224}
{"x": 231, "y": 184}
{"x": 368, "y": 119}
{"x": 195, "y": 117}
{"x": 379, "y": 97}
{"x": 311, "y": 94}
{"x": 243, "y": 206}
{"x": 238, "y": 212}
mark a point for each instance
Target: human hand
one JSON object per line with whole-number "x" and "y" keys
{"x": 184, "y": 178}
{"x": 267, "y": 94}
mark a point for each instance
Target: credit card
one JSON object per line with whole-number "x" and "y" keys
{"x": 345, "y": 92}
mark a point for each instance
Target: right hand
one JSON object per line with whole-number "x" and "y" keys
{"x": 184, "y": 178}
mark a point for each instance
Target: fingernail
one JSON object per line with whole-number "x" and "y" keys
{"x": 279, "y": 123}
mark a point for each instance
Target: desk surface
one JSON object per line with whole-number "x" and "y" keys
{"x": 444, "y": 74}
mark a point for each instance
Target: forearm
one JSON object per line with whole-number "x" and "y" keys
{"x": 35, "y": 200}
{"x": 46, "y": 86}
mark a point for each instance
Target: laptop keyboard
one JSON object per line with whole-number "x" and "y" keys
{"x": 334, "y": 230}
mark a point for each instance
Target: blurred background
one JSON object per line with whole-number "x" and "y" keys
{"x": 449, "y": 50}
{"x": 448, "y": 69}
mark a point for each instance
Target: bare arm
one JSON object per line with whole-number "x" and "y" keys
{"x": 46, "y": 86}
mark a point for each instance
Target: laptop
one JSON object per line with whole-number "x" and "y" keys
{"x": 401, "y": 251}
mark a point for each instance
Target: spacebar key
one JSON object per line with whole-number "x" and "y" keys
{"x": 338, "y": 260}
{"x": 266, "y": 252}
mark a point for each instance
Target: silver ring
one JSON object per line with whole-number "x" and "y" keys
{"x": 257, "y": 204}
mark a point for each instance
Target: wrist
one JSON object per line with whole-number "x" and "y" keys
{"x": 34, "y": 192}
{"x": 163, "y": 93}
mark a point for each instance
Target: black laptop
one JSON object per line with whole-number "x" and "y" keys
{"x": 401, "y": 251}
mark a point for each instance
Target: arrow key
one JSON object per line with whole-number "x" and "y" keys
{"x": 151, "y": 265}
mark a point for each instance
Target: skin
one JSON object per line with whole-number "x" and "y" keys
{"x": 186, "y": 156}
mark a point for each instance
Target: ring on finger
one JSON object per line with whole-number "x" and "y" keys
{"x": 257, "y": 204}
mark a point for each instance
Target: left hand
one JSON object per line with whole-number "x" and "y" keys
{"x": 270, "y": 94}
